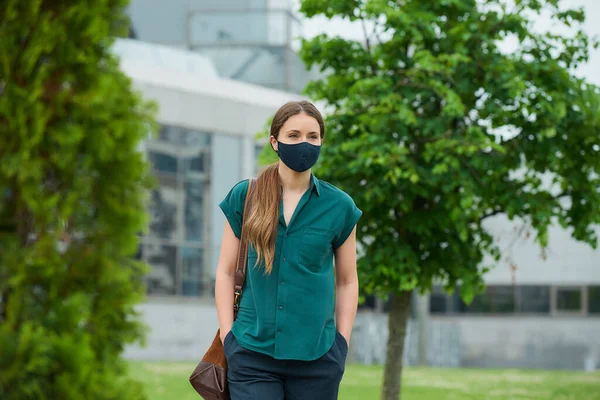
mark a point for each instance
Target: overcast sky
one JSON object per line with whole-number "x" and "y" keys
{"x": 591, "y": 71}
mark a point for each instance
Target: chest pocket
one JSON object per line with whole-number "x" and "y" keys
{"x": 316, "y": 247}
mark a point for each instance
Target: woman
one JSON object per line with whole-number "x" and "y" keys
{"x": 291, "y": 335}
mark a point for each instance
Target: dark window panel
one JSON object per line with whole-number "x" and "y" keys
{"x": 455, "y": 303}
{"x": 438, "y": 301}
{"x": 163, "y": 163}
{"x": 163, "y": 209}
{"x": 194, "y": 210}
{"x": 534, "y": 299}
{"x": 195, "y": 164}
{"x": 480, "y": 304}
{"x": 162, "y": 277}
{"x": 594, "y": 299}
{"x": 495, "y": 299}
{"x": 568, "y": 299}
{"x": 193, "y": 283}
{"x": 503, "y": 299}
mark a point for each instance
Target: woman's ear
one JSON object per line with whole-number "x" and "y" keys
{"x": 274, "y": 144}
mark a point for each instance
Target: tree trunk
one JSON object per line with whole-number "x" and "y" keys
{"x": 397, "y": 319}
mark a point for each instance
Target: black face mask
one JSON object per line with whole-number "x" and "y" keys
{"x": 298, "y": 157}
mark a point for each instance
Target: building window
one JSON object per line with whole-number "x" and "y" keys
{"x": 594, "y": 300}
{"x": 495, "y": 299}
{"x": 176, "y": 244}
{"x": 164, "y": 163}
{"x": 569, "y": 299}
{"x": 195, "y": 210}
{"x": 534, "y": 299}
{"x": 527, "y": 299}
{"x": 438, "y": 301}
{"x": 192, "y": 283}
{"x": 163, "y": 208}
{"x": 162, "y": 279}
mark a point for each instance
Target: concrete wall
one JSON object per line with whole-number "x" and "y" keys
{"x": 488, "y": 342}
{"x": 183, "y": 331}
{"x": 530, "y": 342}
{"x": 180, "y": 330}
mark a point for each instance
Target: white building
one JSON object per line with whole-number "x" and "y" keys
{"x": 543, "y": 314}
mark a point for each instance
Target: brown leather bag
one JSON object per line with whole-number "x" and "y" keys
{"x": 210, "y": 376}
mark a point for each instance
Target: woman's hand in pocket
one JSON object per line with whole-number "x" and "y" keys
{"x": 224, "y": 334}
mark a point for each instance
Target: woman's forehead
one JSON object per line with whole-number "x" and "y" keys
{"x": 301, "y": 123}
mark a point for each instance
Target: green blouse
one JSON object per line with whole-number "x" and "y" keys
{"x": 289, "y": 314}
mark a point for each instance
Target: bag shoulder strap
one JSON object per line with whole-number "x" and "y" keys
{"x": 240, "y": 272}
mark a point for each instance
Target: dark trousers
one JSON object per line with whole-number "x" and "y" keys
{"x": 256, "y": 376}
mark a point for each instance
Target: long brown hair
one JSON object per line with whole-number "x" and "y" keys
{"x": 263, "y": 217}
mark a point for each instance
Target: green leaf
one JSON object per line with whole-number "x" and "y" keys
{"x": 549, "y": 133}
{"x": 440, "y": 169}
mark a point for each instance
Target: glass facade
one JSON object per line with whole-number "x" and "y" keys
{"x": 520, "y": 299}
{"x": 594, "y": 300}
{"x": 569, "y": 299}
{"x": 177, "y": 241}
{"x": 534, "y": 299}
{"x": 438, "y": 301}
{"x": 511, "y": 300}
{"x": 495, "y": 299}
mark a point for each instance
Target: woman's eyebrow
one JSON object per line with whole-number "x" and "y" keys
{"x": 297, "y": 131}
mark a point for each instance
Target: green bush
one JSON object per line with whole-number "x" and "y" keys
{"x": 73, "y": 187}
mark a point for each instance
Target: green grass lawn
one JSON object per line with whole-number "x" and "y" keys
{"x": 169, "y": 381}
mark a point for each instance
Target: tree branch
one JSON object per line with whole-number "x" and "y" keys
{"x": 408, "y": 83}
{"x": 375, "y": 26}
{"x": 491, "y": 214}
{"x": 500, "y": 210}
{"x": 364, "y": 28}
{"x": 445, "y": 135}
{"x": 474, "y": 173}
{"x": 373, "y": 65}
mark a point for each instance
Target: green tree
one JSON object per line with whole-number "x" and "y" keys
{"x": 73, "y": 187}
{"x": 432, "y": 128}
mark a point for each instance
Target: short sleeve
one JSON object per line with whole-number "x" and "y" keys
{"x": 351, "y": 217}
{"x": 233, "y": 206}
